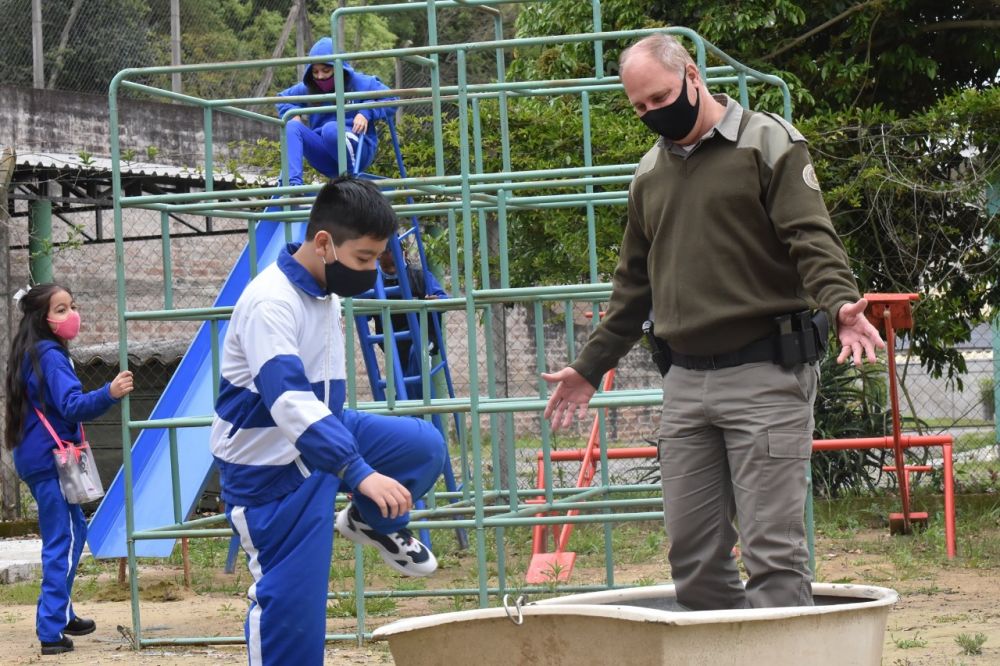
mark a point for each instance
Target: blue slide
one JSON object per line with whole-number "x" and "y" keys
{"x": 189, "y": 393}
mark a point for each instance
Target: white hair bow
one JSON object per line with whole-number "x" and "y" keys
{"x": 21, "y": 293}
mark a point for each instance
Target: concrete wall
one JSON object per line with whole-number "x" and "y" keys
{"x": 54, "y": 121}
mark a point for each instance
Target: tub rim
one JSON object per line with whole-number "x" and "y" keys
{"x": 570, "y": 605}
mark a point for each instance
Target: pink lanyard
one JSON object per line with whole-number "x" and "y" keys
{"x": 73, "y": 448}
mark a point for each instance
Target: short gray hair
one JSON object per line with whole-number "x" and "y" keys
{"x": 664, "y": 48}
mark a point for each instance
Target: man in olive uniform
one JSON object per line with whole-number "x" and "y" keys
{"x": 727, "y": 233}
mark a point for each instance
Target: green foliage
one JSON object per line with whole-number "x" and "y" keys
{"x": 548, "y": 246}
{"x": 971, "y": 645}
{"x": 850, "y": 402}
{"x": 107, "y": 36}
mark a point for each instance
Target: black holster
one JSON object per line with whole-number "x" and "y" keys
{"x": 801, "y": 337}
{"x": 657, "y": 348}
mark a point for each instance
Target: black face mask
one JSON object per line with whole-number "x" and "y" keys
{"x": 347, "y": 282}
{"x": 675, "y": 120}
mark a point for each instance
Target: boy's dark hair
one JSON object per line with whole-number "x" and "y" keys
{"x": 33, "y": 328}
{"x": 349, "y": 208}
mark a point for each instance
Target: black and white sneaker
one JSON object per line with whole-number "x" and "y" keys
{"x": 400, "y": 550}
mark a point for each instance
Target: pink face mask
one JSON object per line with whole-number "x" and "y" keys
{"x": 68, "y": 327}
{"x": 325, "y": 85}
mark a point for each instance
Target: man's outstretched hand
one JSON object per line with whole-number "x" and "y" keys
{"x": 572, "y": 395}
{"x": 856, "y": 333}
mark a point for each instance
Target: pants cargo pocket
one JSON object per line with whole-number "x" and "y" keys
{"x": 782, "y": 491}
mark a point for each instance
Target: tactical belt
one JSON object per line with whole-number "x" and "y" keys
{"x": 759, "y": 351}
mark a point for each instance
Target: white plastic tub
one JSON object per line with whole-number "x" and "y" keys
{"x": 639, "y": 626}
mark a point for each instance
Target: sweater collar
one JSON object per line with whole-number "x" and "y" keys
{"x": 297, "y": 273}
{"x": 728, "y": 127}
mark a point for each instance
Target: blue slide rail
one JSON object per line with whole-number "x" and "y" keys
{"x": 189, "y": 393}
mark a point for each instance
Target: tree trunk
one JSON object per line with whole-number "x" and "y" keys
{"x": 63, "y": 43}
{"x": 279, "y": 48}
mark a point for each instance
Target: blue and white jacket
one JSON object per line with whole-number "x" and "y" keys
{"x": 281, "y": 397}
{"x": 354, "y": 81}
{"x": 66, "y": 406}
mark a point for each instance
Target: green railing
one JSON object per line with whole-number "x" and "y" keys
{"x": 462, "y": 200}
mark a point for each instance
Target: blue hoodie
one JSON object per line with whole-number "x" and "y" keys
{"x": 66, "y": 407}
{"x": 354, "y": 81}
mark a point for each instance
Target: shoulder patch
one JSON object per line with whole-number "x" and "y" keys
{"x": 809, "y": 176}
{"x": 793, "y": 133}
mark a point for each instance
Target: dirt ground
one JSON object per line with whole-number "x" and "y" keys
{"x": 937, "y": 604}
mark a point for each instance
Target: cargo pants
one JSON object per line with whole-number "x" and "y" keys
{"x": 734, "y": 448}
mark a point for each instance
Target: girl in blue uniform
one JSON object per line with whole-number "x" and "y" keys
{"x": 40, "y": 375}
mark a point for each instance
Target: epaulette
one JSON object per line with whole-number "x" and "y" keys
{"x": 793, "y": 133}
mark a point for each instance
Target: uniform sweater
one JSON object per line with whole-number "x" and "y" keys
{"x": 66, "y": 406}
{"x": 354, "y": 81}
{"x": 281, "y": 396}
{"x": 719, "y": 241}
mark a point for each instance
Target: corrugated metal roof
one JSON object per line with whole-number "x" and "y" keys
{"x": 98, "y": 165}
{"x": 164, "y": 351}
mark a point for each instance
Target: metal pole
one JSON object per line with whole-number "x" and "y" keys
{"x": 37, "y": 46}
{"x": 40, "y": 240}
{"x": 175, "y": 44}
{"x": 10, "y": 504}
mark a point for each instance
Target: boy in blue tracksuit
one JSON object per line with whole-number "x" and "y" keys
{"x": 284, "y": 444}
{"x": 315, "y": 136}
{"x": 40, "y": 376}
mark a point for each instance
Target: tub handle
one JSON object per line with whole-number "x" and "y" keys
{"x": 519, "y": 619}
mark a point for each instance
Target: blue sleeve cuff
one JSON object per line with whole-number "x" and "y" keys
{"x": 113, "y": 399}
{"x": 357, "y": 472}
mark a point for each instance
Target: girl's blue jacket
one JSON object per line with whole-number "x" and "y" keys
{"x": 66, "y": 406}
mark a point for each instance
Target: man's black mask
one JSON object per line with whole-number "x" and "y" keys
{"x": 675, "y": 120}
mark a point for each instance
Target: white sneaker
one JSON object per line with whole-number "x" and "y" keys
{"x": 400, "y": 550}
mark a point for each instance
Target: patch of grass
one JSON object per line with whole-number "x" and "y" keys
{"x": 908, "y": 643}
{"x": 347, "y": 606}
{"x": 20, "y": 593}
{"x": 972, "y": 441}
{"x": 971, "y": 645}
{"x": 9, "y": 617}
{"x": 950, "y": 619}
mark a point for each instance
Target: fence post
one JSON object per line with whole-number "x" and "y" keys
{"x": 10, "y": 505}
{"x": 37, "y": 45}
{"x": 175, "y": 44}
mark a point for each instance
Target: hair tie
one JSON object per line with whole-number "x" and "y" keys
{"x": 19, "y": 294}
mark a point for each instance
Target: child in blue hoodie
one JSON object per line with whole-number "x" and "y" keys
{"x": 40, "y": 376}
{"x": 316, "y": 136}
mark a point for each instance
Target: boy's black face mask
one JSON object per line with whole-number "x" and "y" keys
{"x": 347, "y": 282}
{"x": 675, "y": 120}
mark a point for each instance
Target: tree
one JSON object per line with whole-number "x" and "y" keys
{"x": 897, "y": 97}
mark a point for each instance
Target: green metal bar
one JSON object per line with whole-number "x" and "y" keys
{"x": 467, "y": 242}
{"x": 40, "y": 240}
{"x": 175, "y": 476}
{"x": 168, "y": 267}
{"x": 116, "y": 189}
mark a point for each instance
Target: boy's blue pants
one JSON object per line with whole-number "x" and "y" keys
{"x": 64, "y": 532}
{"x": 319, "y": 146}
{"x": 289, "y": 541}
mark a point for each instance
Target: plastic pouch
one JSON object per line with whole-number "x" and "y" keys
{"x": 78, "y": 475}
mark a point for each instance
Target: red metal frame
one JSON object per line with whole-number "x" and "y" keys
{"x": 888, "y": 313}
